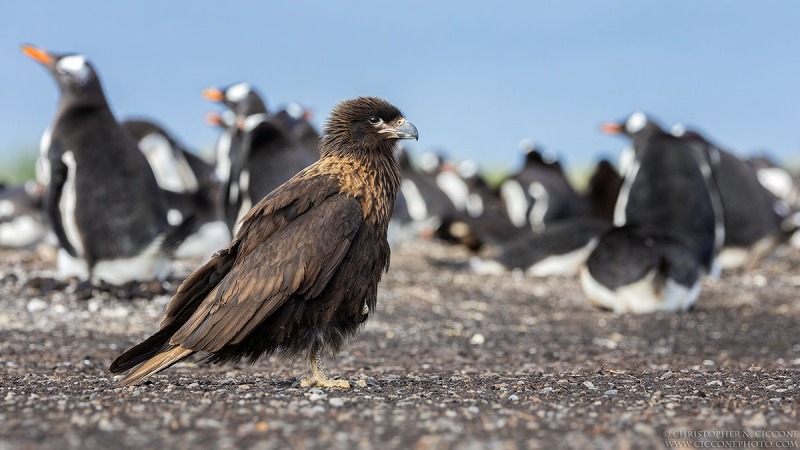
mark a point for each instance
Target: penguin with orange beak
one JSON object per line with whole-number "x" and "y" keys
{"x": 668, "y": 234}
{"x": 101, "y": 197}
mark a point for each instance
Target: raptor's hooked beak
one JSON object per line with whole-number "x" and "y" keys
{"x": 404, "y": 130}
{"x": 213, "y": 94}
{"x": 611, "y": 128}
{"x": 38, "y": 55}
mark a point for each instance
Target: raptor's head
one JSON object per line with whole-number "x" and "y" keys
{"x": 367, "y": 122}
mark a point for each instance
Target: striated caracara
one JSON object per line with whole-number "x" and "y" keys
{"x": 302, "y": 273}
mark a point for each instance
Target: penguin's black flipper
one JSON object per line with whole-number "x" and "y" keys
{"x": 52, "y": 198}
{"x": 175, "y": 236}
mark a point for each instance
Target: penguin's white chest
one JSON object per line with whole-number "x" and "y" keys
{"x": 68, "y": 202}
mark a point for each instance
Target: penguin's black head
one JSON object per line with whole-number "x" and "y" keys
{"x": 637, "y": 123}
{"x": 432, "y": 162}
{"x": 73, "y": 72}
{"x": 241, "y": 98}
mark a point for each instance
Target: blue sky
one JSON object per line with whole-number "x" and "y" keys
{"x": 475, "y": 77}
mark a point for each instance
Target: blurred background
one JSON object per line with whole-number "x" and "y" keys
{"x": 475, "y": 77}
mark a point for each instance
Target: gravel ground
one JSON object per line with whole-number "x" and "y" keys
{"x": 449, "y": 360}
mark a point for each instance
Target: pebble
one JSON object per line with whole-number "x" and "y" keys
{"x": 455, "y": 399}
{"x": 36, "y": 305}
{"x": 314, "y": 396}
{"x": 477, "y": 339}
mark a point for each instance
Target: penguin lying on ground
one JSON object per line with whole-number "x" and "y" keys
{"x": 668, "y": 220}
{"x": 190, "y": 188}
{"x": 561, "y": 249}
{"x": 540, "y": 192}
{"x": 752, "y": 215}
{"x": 484, "y": 220}
{"x": 21, "y": 220}
{"x": 427, "y": 204}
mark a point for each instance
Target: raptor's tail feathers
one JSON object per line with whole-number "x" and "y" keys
{"x": 156, "y": 364}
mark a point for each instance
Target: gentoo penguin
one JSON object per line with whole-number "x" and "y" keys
{"x": 175, "y": 167}
{"x": 786, "y": 187}
{"x": 102, "y": 199}
{"x": 242, "y": 101}
{"x": 427, "y": 204}
{"x": 297, "y": 120}
{"x": 752, "y": 215}
{"x": 190, "y": 187}
{"x": 401, "y": 226}
{"x": 540, "y": 192}
{"x": 642, "y": 269}
{"x": 561, "y": 249}
{"x": 261, "y": 152}
{"x": 603, "y": 190}
{"x": 21, "y": 220}
{"x": 484, "y": 221}
{"x": 776, "y": 179}
{"x": 668, "y": 225}
{"x": 447, "y": 178}
{"x": 270, "y": 155}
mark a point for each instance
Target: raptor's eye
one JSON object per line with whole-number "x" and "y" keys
{"x": 375, "y": 120}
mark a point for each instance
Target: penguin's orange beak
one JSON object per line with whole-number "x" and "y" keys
{"x": 611, "y": 128}
{"x": 37, "y": 54}
{"x": 213, "y": 94}
{"x": 213, "y": 119}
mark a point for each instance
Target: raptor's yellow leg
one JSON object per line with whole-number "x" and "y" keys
{"x": 317, "y": 377}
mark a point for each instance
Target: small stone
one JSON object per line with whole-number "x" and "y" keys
{"x": 337, "y": 402}
{"x": 755, "y": 422}
{"x": 667, "y": 375}
{"x": 589, "y": 385}
{"x": 313, "y": 396}
{"x": 513, "y": 397}
{"x": 610, "y": 393}
{"x": 477, "y": 339}
{"x": 36, "y": 305}
{"x": 641, "y": 428}
{"x": 714, "y": 383}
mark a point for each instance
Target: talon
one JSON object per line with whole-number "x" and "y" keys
{"x": 324, "y": 383}
{"x": 318, "y": 379}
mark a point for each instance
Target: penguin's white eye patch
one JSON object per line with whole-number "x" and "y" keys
{"x": 636, "y": 122}
{"x": 71, "y": 64}
{"x": 74, "y": 65}
{"x": 237, "y": 92}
